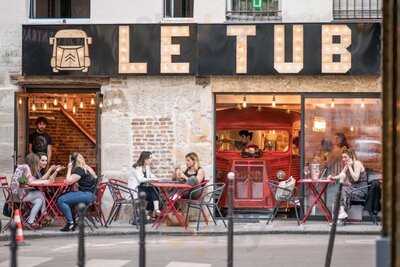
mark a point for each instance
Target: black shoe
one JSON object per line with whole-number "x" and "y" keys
{"x": 69, "y": 227}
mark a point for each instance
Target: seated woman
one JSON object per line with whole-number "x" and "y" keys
{"x": 139, "y": 179}
{"x": 78, "y": 172}
{"x": 194, "y": 173}
{"x": 31, "y": 171}
{"x": 352, "y": 176}
{"x": 51, "y": 172}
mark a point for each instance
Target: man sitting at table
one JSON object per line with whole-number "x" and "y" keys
{"x": 139, "y": 179}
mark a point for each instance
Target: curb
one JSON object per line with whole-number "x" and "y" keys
{"x": 191, "y": 233}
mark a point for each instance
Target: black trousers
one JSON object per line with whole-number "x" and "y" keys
{"x": 151, "y": 195}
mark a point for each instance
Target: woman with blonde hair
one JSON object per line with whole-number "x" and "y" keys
{"x": 82, "y": 174}
{"x": 194, "y": 173}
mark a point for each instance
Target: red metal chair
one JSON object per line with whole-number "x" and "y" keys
{"x": 122, "y": 195}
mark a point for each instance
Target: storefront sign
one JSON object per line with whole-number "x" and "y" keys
{"x": 201, "y": 49}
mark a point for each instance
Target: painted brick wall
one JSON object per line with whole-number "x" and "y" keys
{"x": 155, "y": 135}
{"x": 66, "y": 136}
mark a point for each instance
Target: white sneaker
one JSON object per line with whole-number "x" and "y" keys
{"x": 342, "y": 214}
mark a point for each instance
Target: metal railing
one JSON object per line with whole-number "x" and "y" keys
{"x": 253, "y": 10}
{"x": 357, "y": 9}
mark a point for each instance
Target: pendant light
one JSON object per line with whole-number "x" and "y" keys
{"x": 45, "y": 106}
{"x": 73, "y": 108}
{"x": 55, "y": 101}
{"x": 81, "y": 104}
{"x": 65, "y": 106}
{"x": 332, "y": 103}
{"x": 362, "y": 103}
{"x": 273, "y": 101}
{"x": 244, "y": 104}
{"x": 92, "y": 101}
{"x": 20, "y": 101}
{"x": 101, "y": 105}
{"x": 33, "y": 105}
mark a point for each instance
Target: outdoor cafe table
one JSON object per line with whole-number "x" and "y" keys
{"x": 170, "y": 200}
{"x": 317, "y": 188}
{"x": 52, "y": 192}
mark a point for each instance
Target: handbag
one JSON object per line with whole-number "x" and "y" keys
{"x": 7, "y": 211}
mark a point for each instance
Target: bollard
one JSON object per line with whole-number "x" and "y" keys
{"x": 142, "y": 229}
{"x": 13, "y": 245}
{"x": 81, "y": 236}
{"x": 332, "y": 233}
{"x": 231, "y": 178}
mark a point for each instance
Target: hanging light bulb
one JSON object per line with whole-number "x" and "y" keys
{"x": 332, "y": 103}
{"x": 33, "y": 106}
{"x": 101, "y": 105}
{"x": 273, "y": 101}
{"x": 352, "y": 128}
{"x": 20, "y": 101}
{"x": 362, "y": 103}
{"x": 55, "y": 102}
{"x": 92, "y": 101}
{"x": 244, "y": 104}
{"x": 45, "y": 106}
{"x": 65, "y": 106}
{"x": 73, "y": 109}
{"x": 81, "y": 104}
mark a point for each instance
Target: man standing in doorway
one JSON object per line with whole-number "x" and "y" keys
{"x": 39, "y": 140}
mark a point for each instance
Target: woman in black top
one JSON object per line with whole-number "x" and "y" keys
{"x": 194, "y": 173}
{"x": 78, "y": 172}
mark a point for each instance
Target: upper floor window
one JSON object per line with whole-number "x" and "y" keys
{"x": 43, "y": 9}
{"x": 178, "y": 8}
{"x": 253, "y": 10}
{"x": 357, "y": 9}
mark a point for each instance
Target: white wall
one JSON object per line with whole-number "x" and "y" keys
{"x": 209, "y": 11}
{"x": 307, "y": 10}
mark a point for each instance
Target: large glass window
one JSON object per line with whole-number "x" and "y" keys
{"x": 59, "y": 9}
{"x": 334, "y": 123}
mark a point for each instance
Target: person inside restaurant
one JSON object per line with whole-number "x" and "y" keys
{"x": 82, "y": 174}
{"x": 139, "y": 178}
{"x": 353, "y": 176}
{"x": 25, "y": 178}
{"x": 40, "y": 141}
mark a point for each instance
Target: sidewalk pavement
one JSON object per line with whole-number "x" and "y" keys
{"x": 259, "y": 228}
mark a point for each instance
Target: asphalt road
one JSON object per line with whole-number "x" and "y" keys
{"x": 162, "y": 251}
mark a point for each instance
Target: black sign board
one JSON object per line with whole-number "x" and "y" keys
{"x": 201, "y": 49}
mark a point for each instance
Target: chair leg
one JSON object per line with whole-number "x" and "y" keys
{"x": 212, "y": 216}
{"x": 187, "y": 216}
{"x": 109, "y": 219}
{"x": 220, "y": 214}
{"x": 198, "y": 218}
{"x": 274, "y": 212}
{"x": 297, "y": 214}
{"x": 117, "y": 212}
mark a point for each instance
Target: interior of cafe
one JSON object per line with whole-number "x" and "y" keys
{"x": 258, "y": 135}
{"x": 72, "y": 124}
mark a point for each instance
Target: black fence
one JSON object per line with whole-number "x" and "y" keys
{"x": 357, "y": 9}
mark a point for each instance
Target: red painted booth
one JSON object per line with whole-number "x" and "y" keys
{"x": 273, "y": 132}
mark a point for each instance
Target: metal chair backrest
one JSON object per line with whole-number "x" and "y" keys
{"x": 213, "y": 196}
{"x": 5, "y": 187}
{"x": 119, "y": 190}
{"x": 274, "y": 187}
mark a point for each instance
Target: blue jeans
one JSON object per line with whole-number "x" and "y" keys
{"x": 65, "y": 202}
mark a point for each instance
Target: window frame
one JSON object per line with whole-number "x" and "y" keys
{"x": 172, "y": 17}
{"x": 31, "y": 11}
{"x": 232, "y": 15}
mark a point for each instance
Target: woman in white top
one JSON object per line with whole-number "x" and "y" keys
{"x": 353, "y": 176}
{"x": 139, "y": 179}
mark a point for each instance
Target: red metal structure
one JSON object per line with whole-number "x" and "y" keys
{"x": 252, "y": 174}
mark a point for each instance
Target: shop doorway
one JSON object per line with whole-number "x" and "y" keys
{"x": 73, "y": 124}
{"x": 257, "y": 136}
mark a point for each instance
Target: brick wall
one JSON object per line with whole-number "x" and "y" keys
{"x": 155, "y": 135}
{"x": 66, "y": 136}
